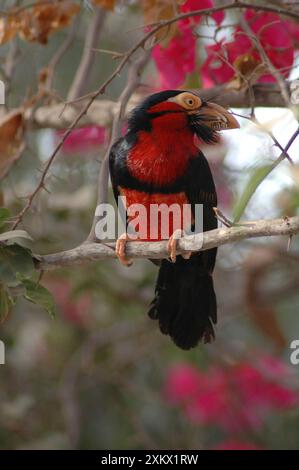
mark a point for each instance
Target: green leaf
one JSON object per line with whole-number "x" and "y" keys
{"x": 14, "y": 234}
{"x": 255, "y": 179}
{"x": 39, "y": 295}
{"x": 5, "y": 305}
{"x": 4, "y": 214}
{"x": 14, "y": 259}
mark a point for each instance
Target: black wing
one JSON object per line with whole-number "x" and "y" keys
{"x": 200, "y": 189}
{"x": 115, "y": 155}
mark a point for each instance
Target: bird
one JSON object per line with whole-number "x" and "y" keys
{"x": 159, "y": 160}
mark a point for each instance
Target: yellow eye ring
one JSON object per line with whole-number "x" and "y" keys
{"x": 187, "y": 100}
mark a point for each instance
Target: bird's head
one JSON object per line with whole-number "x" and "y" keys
{"x": 174, "y": 110}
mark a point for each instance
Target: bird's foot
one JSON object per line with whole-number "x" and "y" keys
{"x": 120, "y": 250}
{"x": 172, "y": 245}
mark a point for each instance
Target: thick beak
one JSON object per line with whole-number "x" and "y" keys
{"x": 215, "y": 117}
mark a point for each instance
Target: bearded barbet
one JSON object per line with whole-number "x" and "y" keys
{"x": 159, "y": 161}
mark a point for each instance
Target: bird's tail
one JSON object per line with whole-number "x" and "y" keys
{"x": 185, "y": 301}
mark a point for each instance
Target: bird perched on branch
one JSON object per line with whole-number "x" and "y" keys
{"x": 158, "y": 162}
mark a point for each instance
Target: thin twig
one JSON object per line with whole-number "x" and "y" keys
{"x": 255, "y": 121}
{"x": 61, "y": 52}
{"x": 83, "y": 72}
{"x": 271, "y": 68}
{"x": 10, "y": 65}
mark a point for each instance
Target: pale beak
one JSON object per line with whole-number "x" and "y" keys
{"x": 216, "y": 117}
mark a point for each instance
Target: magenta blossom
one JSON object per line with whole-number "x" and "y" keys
{"x": 233, "y": 444}
{"x": 236, "y": 398}
{"x": 83, "y": 139}
{"x": 176, "y": 60}
{"x": 277, "y": 38}
{"x": 193, "y": 5}
{"x": 183, "y": 382}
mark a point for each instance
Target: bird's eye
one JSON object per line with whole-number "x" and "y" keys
{"x": 190, "y": 102}
{"x": 187, "y": 100}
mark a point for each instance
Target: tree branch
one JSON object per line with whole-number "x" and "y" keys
{"x": 94, "y": 30}
{"x": 102, "y": 112}
{"x": 157, "y": 250}
{"x": 61, "y": 51}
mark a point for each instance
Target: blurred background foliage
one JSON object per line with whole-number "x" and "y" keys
{"x": 100, "y": 374}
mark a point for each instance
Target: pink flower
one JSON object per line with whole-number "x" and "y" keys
{"x": 176, "y": 60}
{"x": 216, "y": 68}
{"x": 261, "y": 390}
{"x": 236, "y": 445}
{"x": 293, "y": 30}
{"x": 273, "y": 367}
{"x": 218, "y": 403}
{"x": 235, "y": 398}
{"x": 274, "y": 37}
{"x": 83, "y": 139}
{"x": 183, "y": 382}
{"x": 192, "y": 5}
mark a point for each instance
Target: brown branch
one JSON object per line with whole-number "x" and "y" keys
{"x": 207, "y": 11}
{"x": 61, "y": 52}
{"x": 94, "y": 30}
{"x": 231, "y": 6}
{"x": 119, "y": 332}
{"x": 102, "y": 112}
{"x": 157, "y": 250}
{"x": 10, "y": 65}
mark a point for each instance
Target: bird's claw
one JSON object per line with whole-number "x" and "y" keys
{"x": 172, "y": 245}
{"x": 120, "y": 250}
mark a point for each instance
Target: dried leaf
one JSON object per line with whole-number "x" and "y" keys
{"x": 11, "y": 140}
{"x": 158, "y": 10}
{"x": 37, "y": 24}
{"x": 107, "y": 4}
{"x": 44, "y": 75}
{"x": 248, "y": 71}
{"x": 8, "y": 29}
